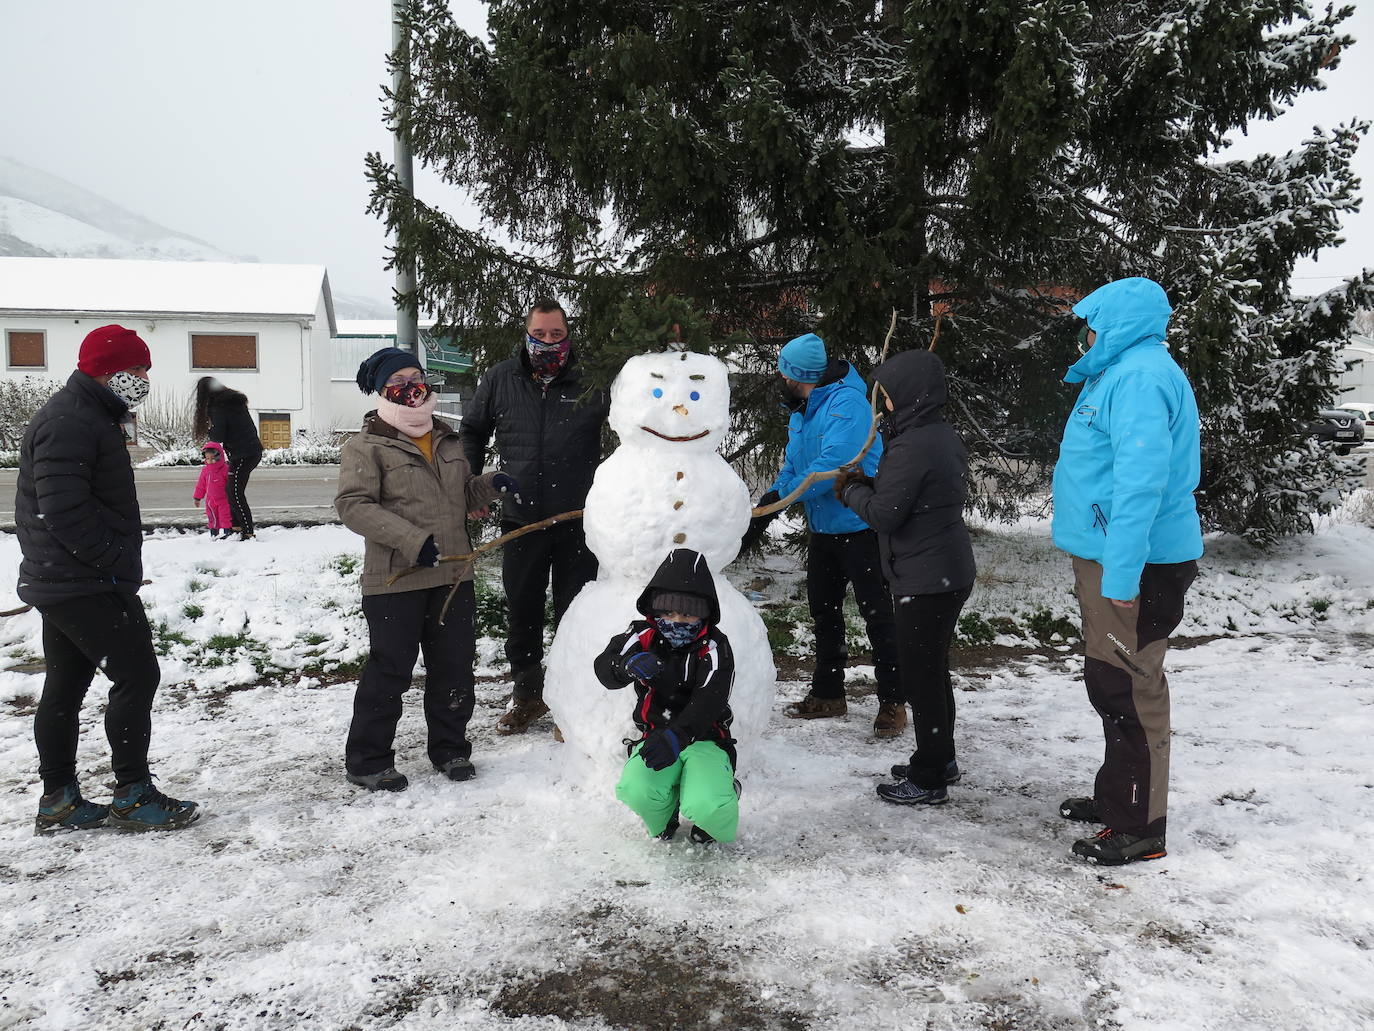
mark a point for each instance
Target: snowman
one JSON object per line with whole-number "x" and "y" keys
{"x": 666, "y": 486}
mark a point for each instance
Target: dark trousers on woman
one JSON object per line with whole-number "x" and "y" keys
{"x": 560, "y": 554}
{"x": 834, "y": 561}
{"x": 100, "y": 631}
{"x": 400, "y": 627}
{"x": 240, "y": 468}
{"x": 925, "y": 630}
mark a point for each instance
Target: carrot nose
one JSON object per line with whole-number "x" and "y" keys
{"x": 680, "y": 409}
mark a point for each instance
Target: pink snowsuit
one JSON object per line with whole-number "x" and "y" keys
{"x": 213, "y": 487}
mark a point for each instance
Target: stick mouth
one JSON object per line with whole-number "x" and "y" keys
{"x": 676, "y": 440}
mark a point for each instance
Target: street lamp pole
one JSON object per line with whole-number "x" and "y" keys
{"x": 407, "y": 330}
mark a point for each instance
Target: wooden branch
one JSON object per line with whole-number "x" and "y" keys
{"x": 505, "y": 538}
{"x": 25, "y": 608}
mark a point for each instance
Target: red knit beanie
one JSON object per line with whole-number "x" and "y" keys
{"x": 111, "y": 349}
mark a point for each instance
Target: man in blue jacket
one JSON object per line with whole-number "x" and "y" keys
{"x": 1124, "y": 509}
{"x": 830, "y": 422}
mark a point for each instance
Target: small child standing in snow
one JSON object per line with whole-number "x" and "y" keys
{"x": 682, "y": 669}
{"x": 213, "y": 488}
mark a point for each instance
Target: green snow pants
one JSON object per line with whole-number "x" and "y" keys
{"x": 700, "y": 785}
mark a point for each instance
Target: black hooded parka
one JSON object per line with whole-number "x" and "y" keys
{"x": 916, "y": 501}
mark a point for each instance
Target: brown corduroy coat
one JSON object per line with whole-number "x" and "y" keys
{"x": 394, "y": 498}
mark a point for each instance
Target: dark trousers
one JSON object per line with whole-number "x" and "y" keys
{"x": 925, "y": 630}
{"x": 1124, "y": 673}
{"x": 835, "y": 561}
{"x": 109, "y": 632}
{"x": 399, "y": 628}
{"x": 240, "y": 468}
{"x": 560, "y": 554}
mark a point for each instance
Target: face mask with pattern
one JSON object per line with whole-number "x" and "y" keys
{"x": 411, "y": 395}
{"x": 677, "y": 634}
{"x": 547, "y": 359}
{"x": 130, "y": 389}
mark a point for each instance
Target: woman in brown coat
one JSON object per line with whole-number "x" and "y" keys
{"x": 405, "y": 486}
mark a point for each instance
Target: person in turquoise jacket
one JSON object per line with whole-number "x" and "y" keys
{"x": 831, "y": 420}
{"x": 1124, "y": 509}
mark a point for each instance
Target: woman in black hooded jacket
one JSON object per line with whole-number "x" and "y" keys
{"x": 222, "y": 415}
{"x": 916, "y": 503}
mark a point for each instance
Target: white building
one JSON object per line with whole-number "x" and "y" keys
{"x": 266, "y": 330}
{"x": 1357, "y": 384}
{"x": 358, "y": 338}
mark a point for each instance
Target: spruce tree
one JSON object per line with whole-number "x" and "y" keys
{"x": 777, "y": 167}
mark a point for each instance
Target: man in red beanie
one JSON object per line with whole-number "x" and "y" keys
{"x": 76, "y": 516}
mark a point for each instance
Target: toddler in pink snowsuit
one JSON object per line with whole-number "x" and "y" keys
{"x": 213, "y": 487}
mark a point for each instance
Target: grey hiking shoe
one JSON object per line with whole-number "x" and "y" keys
{"x": 906, "y": 793}
{"x": 953, "y": 775}
{"x": 65, "y": 810}
{"x": 1116, "y": 848}
{"x": 387, "y": 780}
{"x": 142, "y": 807}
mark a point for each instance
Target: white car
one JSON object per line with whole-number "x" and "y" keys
{"x": 1365, "y": 409}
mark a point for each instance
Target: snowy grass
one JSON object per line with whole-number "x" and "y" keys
{"x": 516, "y": 900}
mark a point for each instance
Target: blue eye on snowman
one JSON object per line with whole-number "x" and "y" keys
{"x": 696, "y": 396}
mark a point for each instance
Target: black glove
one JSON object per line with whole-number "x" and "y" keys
{"x": 643, "y": 666}
{"x": 660, "y": 750}
{"x": 758, "y": 526}
{"x": 847, "y": 479}
{"x": 505, "y": 483}
{"x": 429, "y": 553}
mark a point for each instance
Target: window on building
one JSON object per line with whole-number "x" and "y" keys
{"x": 224, "y": 351}
{"x": 26, "y": 349}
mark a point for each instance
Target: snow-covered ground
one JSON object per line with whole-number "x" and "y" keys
{"x": 516, "y": 900}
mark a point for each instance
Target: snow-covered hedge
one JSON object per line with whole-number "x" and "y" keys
{"x": 306, "y": 454}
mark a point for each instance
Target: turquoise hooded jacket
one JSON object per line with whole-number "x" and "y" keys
{"x": 829, "y": 432}
{"x": 1131, "y": 455}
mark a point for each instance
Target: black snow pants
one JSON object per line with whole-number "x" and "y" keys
{"x": 528, "y": 563}
{"x": 925, "y": 630}
{"x": 240, "y": 468}
{"x": 400, "y": 627}
{"x": 109, "y": 632}
{"x": 834, "y": 562}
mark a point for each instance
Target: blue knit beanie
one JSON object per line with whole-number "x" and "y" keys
{"x": 803, "y": 359}
{"x": 379, "y": 367}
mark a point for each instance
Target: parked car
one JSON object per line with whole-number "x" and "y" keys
{"x": 1366, "y": 413}
{"x": 1344, "y": 429}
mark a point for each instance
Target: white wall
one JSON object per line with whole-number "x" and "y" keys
{"x": 1358, "y": 383}
{"x": 289, "y": 378}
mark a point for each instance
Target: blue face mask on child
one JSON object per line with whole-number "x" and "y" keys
{"x": 677, "y": 634}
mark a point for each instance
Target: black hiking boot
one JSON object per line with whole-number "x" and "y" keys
{"x": 1116, "y": 848}
{"x": 953, "y": 775}
{"x": 65, "y": 810}
{"x": 458, "y": 769}
{"x": 906, "y": 793}
{"x": 1084, "y": 810}
{"x": 387, "y": 780}
{"x": 142, "y": 807}
{"x": 670, "y": 831}
{"x": 700, "y": 837}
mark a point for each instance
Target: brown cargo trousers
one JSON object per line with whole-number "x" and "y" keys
{"x": 1124, "y": 674}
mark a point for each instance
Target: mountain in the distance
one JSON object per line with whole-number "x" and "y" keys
{"x": 44, "y": 216}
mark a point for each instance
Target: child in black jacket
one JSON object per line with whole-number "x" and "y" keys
{"x": 682, "y": 669}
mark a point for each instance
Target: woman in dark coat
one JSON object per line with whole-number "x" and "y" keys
{"x": 222, "y": 415}
{"x": 916, "y": 503}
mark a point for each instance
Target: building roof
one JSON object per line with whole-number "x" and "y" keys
{"x": 113, "y": 286}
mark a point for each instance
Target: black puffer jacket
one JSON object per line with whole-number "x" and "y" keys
{"x": 232, "y": 425}
{"x": 547, "y": 438}
{"x": 691, "y": 696}
{"x": 916, "y": 502}
{"x": 76, "y": 510}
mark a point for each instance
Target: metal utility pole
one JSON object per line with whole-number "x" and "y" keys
{"x": 407, "y": 331}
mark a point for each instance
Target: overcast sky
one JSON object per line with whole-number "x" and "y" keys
{"x": 245, "y": 123}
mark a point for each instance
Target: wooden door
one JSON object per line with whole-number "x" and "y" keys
{"x": 275, "y": 430}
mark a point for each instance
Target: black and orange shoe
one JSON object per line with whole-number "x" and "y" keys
{"x": 1116, "y": 848}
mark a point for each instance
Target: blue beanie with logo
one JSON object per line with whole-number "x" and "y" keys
{"x": 803, "y": 359}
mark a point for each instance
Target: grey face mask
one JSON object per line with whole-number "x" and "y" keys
{"x": 131, "y": 389}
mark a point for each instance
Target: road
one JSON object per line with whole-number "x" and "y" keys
{"x": 291, "y": 494}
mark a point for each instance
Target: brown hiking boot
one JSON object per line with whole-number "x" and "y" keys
{"x": 891, "y": 719}
{"x": 519, "y": 716}
{"x": 813, "y": 708}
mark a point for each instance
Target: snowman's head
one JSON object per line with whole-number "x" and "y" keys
{"x": 671, "y": 401}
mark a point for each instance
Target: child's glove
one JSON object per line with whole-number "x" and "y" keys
{"x": 660, "y": 750}
{"x": 643, "y": 666}
{"x": 429, "y": 553}
{"x": 506, "y": 484}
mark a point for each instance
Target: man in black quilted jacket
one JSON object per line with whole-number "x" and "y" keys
{"x": 77, "y": 519}
{"x": 549, "y": 439}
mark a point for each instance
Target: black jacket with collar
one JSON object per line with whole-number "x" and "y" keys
{"x": 232, "y": 425}
{"x": 916, "y": 500}
{"x": 76, "y": 508}
{"x": 548, "y": 436}
{"x": 691, "y": 695}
